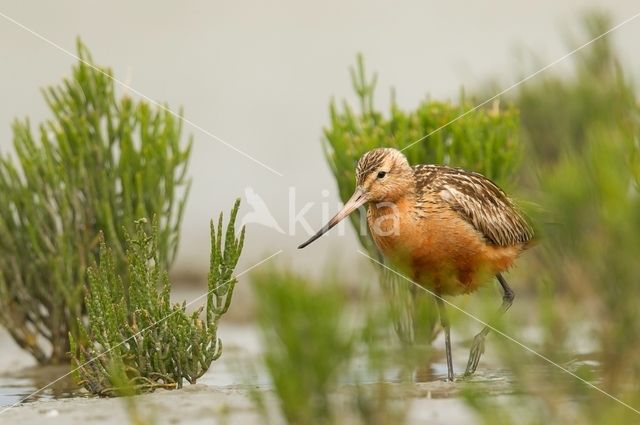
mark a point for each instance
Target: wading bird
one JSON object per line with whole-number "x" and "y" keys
{"x": 448, "y": 229}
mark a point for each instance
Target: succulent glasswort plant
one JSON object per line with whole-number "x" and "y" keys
{"x": 135, "y": 340}
{"x": 97, "y": 165}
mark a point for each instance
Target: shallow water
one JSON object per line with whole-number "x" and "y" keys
{"x": 19, "y": 386}
{"x": 20, "y": 377}
{"x": 237, "y": 368}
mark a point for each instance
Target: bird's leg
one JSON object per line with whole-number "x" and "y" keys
{"x": 478, "y": 341}
{"x": 444, "y": 321}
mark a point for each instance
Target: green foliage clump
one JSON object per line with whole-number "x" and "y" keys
{"x": 583, "y": 130}
{"x": 308, "y": 347}
{"x": 136, "y": 340}
{"x": 558, "y": 115}
{"x": 485, "y": 141}
{"x": 97, "y": 165}
{"x": 311, "y": 348}
{"x": 591, "y": 194}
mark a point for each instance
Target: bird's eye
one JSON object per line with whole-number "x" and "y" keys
{"x": 381, "y": 174}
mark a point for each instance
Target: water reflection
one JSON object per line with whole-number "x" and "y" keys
{"x": 243, "y": 349}
{"x": 17, "y": 386}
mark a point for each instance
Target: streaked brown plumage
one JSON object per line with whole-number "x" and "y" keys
{"x": 448, "y": 229}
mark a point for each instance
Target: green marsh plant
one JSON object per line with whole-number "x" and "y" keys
{"x": 315, "y": 352}
{"x": 307, "y": 347}
{"x": 98, "y": 164}
{"x": 135, "y": 340}
{"x": 583, "y": 131}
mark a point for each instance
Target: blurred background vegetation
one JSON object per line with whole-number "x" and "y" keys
{"x": 582, "y": 133}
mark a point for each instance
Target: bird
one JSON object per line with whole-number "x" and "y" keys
{"x": 447, "y": 229}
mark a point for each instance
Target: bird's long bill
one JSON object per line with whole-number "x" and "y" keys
{"x": 356, "y": 201}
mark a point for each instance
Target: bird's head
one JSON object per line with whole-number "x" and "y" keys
{"x": 382, "y": 175}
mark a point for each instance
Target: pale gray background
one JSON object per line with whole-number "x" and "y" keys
{"x": 260, "y": 75}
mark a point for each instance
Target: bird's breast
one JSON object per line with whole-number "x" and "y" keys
{"x": 435, "y": 247}
{"x": 395, "y": 227}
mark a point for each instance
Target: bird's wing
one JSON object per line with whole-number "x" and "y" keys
{"x": 478, "y": 201}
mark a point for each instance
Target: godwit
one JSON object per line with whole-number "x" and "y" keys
{"x": 448, "y": 229}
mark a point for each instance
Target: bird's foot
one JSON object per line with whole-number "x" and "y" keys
{"x": 451, "y": 377}
{"x": 477, "y": 349}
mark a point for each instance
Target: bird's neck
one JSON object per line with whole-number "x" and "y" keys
{"x": 400, "y": 200}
